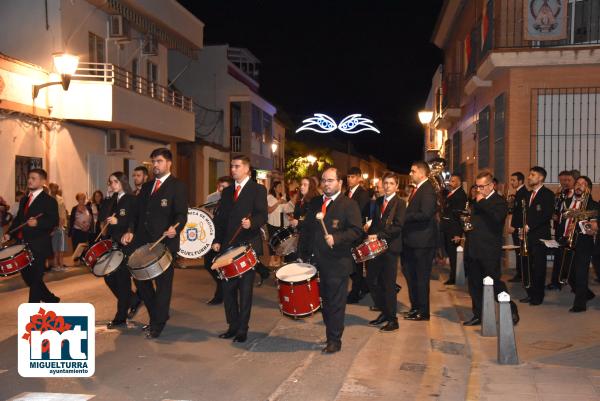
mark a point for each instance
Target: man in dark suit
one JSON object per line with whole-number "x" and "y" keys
{"x": 483, "y": 245}
{"x": 360, "y": 195}
{"x": 161, "y": 204}
{"x": 383, "y": 270}
{"x": 419, "y": 241}
{"x": 331, "y": 251}
{"x": 517, "y": 182}
{"x": 40, "y": 211}
{"x": 242, "y": 204}
{"x": 450, "y": 225}
{"x": 583, "y": 245}
{"x": 540, "y": 207}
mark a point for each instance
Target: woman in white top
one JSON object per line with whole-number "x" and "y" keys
{"x": 275, "y": 202}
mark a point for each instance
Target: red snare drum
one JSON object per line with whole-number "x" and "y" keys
{"x": 93, "y": 254}
{"x": 235, "y": 261}
{"x": 369, "y": 250}
{"x": 298, "y": 286}
{"x": 14, "y": 259}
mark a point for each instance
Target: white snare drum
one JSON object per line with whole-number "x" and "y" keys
{"x": 197, "y": 236}
{"x": 146, "y": 264}
{"x": 108, "y": 263}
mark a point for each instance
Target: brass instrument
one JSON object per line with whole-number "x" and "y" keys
{"x": 439, "y": 176}
{"x": 510, "y": 201}
{"x": 524, "y": 249}
{"x": 465, "y": 218}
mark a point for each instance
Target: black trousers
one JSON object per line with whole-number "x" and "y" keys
{"x": 33, "y": 276}
{"x": 479, "y": 268}
{"x": 333, "y": 296}
{"x": 596, "y": 265}
{"x": 237, "y": 298}
{"x": 119, "y": 283}
{"x": 156, "y": 294}
{"x": 537, "y": 261}
{"x": 450, "y": 248}
{"x": 208, "y": 259}
{"x": 558, "y": 259}
{"x": 359, "y": 281}
{"x": 381, "y": 278}
{"x": 579, "y": 277}
{"x": 416, "y": 267}
{"x": 517, "y": 242}
{"x": 78, "y": 237}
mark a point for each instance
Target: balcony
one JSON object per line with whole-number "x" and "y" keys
{"x": 236, "y": 144}
{"x": 110, "y": 97}
{"x": 447, "y": 102}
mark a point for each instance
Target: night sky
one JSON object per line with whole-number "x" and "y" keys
{"x": 338, "y": 57}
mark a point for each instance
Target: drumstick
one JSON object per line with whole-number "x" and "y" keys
{"x": 17, "y": 228}
{"x": 320, "y": 218}
{"x": 237, "y": 232}
{"x": 103, "y": 229}
{"x": 161, "y": 238}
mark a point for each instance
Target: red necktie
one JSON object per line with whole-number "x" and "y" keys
{"x": 324, "y": 205}
{"x": 237, "y": 192}
{"x": 412, "y": 194}
{"x": 385, "y": 203}
{"x": 350, "y": 193}
{"x": 156, "y": 186}
{"x": 533, "y": 197}
{"x": 25, "y": 210}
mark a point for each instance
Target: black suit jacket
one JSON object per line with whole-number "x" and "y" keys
{"x": 343, "y": 222}
{"x": 539, "y": 215}
{"x": 450, "y": 222}
{"x": 517, "y": 215}
{"x": 485, "y": 240}
{"x": 252, "y": 200}
{"x": 124, "y": 211}
{"x": 38, "y": 238}
{"x": 361, "y": 197}
{"x": 420, "y": 226}
{"x": 388, "y": 226}
{"x": 156, "y": 213}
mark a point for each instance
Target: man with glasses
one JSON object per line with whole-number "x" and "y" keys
{"x": 330, "y": 250}
{"x": 483, "y": 245}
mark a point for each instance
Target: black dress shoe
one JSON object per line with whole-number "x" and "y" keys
{"x": 53, "y": 300}
{"x": 577, "y": 309}
{"x": 516, "y": 279}
{"x": 392, "y": 325}
{"x": 417, "y": 317}
{"x": 449, "y": 282}
{"x": 153, "y": 333}
{"x": 227, "y": 334}
{"x": 374, "y": 309}
{"x": 240, "y": 338}
{"x": 114, "y": 323}
{"x": 380, "y": 319}
{"x": 553, "y": 287}
{"x": 133, "y": 309}
{"x": 146, "y": 327}
{"x": 411, "y": 313}
{"x": 525, "y": 300}
{"x": 475, "y": 321}
{"x": 535, "y": 303}
{"x": 215, "y": 301}
{"x": 331, "y": 348}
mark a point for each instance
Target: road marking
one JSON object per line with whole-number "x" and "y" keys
{"x": 51, "y": 397}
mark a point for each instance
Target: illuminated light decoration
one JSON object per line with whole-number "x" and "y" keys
{"x": 323, "y": 124}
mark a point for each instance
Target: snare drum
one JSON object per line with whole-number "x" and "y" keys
{"x": 14, "y": 258}
{"x": 235, "y": 261}
{"x": 284, "y": 241}
{"x": 369, "y": 250}
{"x": 108, "y": 263}
{"x": 97, "y": 251}
{"x": 298, "y": 286}
{"x": 146, "y": 264}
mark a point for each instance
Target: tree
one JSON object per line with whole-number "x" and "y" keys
{"x": 305, "y": 161}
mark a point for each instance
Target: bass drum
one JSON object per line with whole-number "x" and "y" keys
{"x": 197, "y": 235}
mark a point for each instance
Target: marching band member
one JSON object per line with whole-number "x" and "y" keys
{"x": 360, "y": 195}
{"x": 517, "y": 182}
{"x": 450, "y": 224}
{"x": 117, "y": 212}
{"x": 161, "y": 204}
{"x": 36, "y": 233}
{"x": 330, "y": 250}
{"x": 483, "y": 245}
{"x": 243, "y": 203}
{"x": 140, "y": 176}
{"x": 419, "y": 241}
{"x": 540, "y": 208}
{"x": 308, "y": 190}
{"x": 381, "y": 275}
{"x": 583, "y": 245}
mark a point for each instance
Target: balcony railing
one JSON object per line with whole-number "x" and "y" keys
{"x": 114, "y": 75}
{"x": 236, "y": 144}
{"x": 450, "y": 91}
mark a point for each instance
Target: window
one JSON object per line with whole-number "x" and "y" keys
{"x": 499, "y": 133}
{"x": 96, "y": 53}
{"x": 483, "y": 138}
{"x": 564, "y": 131}
{"x": 235, "y": 109}
{"x": 256, "y": 120}
{"x": 152, "y": 76}
{"x": 457, "y": 152}
{"x": 23, "y": 165}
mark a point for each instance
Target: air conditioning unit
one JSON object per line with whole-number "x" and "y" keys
{"x": 117, "y": 141}
{"x": 118, "y": 27}
{"x": 150, "y": 46}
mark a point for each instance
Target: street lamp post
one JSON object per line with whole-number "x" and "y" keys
{"x": 66, "y": 65}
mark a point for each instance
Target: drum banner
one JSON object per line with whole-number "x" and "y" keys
{"x": 197, "y": 235}
{"x": 545, "y": 19}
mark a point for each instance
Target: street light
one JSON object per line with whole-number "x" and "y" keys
{"x": 365, "y": 176}
{"x": 66, "y": 65}
{"x": 425, "y": 116}
{"x": 274, "y": 147}
{"x": 311, "y": 159}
